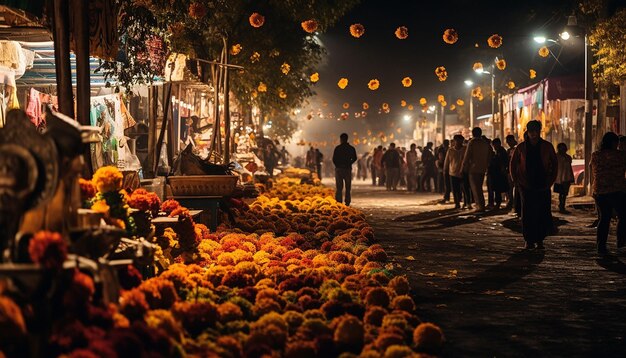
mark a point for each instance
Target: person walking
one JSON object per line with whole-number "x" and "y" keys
{"x": 310, "y": 159}
{"x": 564, "y": 176}
{"x": 284, "y": 156}
{"x": 475, "y": 163}
{"x": 444, "y": 175}
{"x": 391, "y": 162}
{"x": 270, "y": 159}
{"x": 411, "y": 168}
{"x": 376, "y": 157}
{"x": 429, "y": 168}
{"x": 378, "y": 162}
{"x": 498, "y": 172}
{"x": 608, "y": 188}
{"x": 534, "y": 169}
{"x": 513, "y": 198}
{"x": 453, "y": 164}
{"x": 343, "y": 158}
{"x": 319, "y": 159}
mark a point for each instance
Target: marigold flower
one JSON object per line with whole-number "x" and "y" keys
{"x": 532, "y": 74}
{"x": 544, "y": 52}
{"x": 478, "y": 67}
{"x": 428, "y": 338}
{"x": 257, "y": 20}
{"x": 373, "y": 84}
{"x": 407, "y": 81}
{"x": 452, "y": 107}
{"x": 101, "y": 207}
{"x": 423, "y": 101}
{"x": 410, "y": 107}
{"x": 476, "y": 92}
{"x": 236, "y": 49}
{"x": 197, "y": 10}
{"x": 460, "y": 102}
{"x": 450, "y": 36}
{"x": 262, "y": 87}
{"x": 343, "y": 83}
{"x": 441, "y": 98}
{"x": 315, "y": 77}
{"x": 357, "y": 30}
{"x": 494, "y": 41}
{"x": 282, "y": 94}
{"x": 501, "y": 64}
{"x": 441, "y": 73}
{"x": 309, "y": 26}
{"x": 385, "y": 106}
{"x": 366, "y": 106}
{"x": 48, "y": 249}
{"x": 403, "y": 103}
{"x": 346, "y": 105}
{"x": 402, "y": 32}
{"x": 87, "y": 189}
{"x": 255, "y": 57}
{"x": 285, "y": 68}
{"x": 108, "y": 179}
{"x": 511, "y": 85}
{"x": 443, "y": 103}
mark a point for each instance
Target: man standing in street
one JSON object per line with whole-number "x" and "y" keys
{"x": 444, "y": 175}
{"x": 343, "y": 158}
{"x": 391, "y": 163}
{"x": 411, "y": 171}
{"x": 534, "y": 169}
{"x": 513, "y": 194}
{"x": 475, "y": 163}
{"x": 319, "y": 159}
{"x": 429, "y": 167}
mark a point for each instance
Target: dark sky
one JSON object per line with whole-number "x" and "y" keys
{"x": 379, "y": 54}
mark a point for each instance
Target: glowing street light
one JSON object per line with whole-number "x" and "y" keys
{"x": 469, "y": 84}
{"x": 565, "y": 35}
{"x": 407, "y": 118}
{"x": 540, "y": 39}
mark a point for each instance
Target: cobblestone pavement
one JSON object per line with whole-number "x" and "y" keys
{"x": 470, "y": 275}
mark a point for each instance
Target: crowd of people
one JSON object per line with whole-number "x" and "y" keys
{"x": 524, "y": 174}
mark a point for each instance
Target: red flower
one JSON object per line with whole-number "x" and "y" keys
{"x": 48, "y": 249}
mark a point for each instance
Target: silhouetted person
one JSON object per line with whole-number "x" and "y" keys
{"x": 498, "y": 172}
{"x": 284, "y": 156}
{"x": 443, "y": 175}
{"x": 534, "y": 168}
{"x": 564, "y": 176}
{"x": 475, "y": 163}
{"x": 376, "y": 164}
{"x": 608, "y": 187}
{"x": 622, "y": 143}
{"x": 343, "y": 158}
{"x": 411, "y": 168}
{"x": 453, "y": 164}
{"x": 319, "y": 159}
{"x": 270, "y": 158}
{"x": 514, "y": 200}
{"x": 391, "y": 162}
{"x": 428, "y": 164}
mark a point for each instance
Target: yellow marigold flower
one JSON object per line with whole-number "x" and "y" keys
{"x": 423, "y": 101}
{"x": 309, "y": 26}
{"x": 365, "y": 106}
{"x": 444, "y": 103}
{"x": 403, "y": 103}
{"x": 346, "y": 105}
{"x": 255, "y": 57}
{"x": 452, "y": 107}
{"x": 494, "y": 41}
{"x": 407, "y": 81}
{"x": 108, "y": 179}
{"x": 257, "y": 20}
{"x": 373, "y": 84}
{"x": 101, "y": 207}
{"x": 450, "y": 36}
{"x": 544, "y": 52}
{"x": 357, "y": 30}
{"x": 476, "y": 92}
{"x": 441, "y": 73}
{"x": 501, "y": 64}
{"x": 262, "y": 87}
{"x": 315, "y": 77}
{"x": 285, "y": 68}
{"x": 511, "y": 85}
{"x": 236, "y": 49}
{"x": 533, "y": 73}
{"x": 460, "y": 102}
{"x": 478, "y": 67}
{"x": 410, "y": 107}
{"x": 402, "y": 32}
{"x": 385, "y": 106}
{"x": 282, "y": 94}
{"x": 343, "y": 83}
{"x": 441, "y": 98}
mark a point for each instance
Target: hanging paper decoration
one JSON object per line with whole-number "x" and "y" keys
{"x": 511, "y": 85}
{"x": 357, "y": 30}
{"x": 402, "y": 32}
{"x": 403, "y": 103}
{"x": 407, "y": 81}
{"x": 441, "y": 98}
{"x": 309, "y": 26}
{"x": 373, "y": 84}
{"x": 410, "y": 107}
{"x": 476, "y": 92}
{"x": 235, "y": 49}
{"x": 257, "y": 20}
{"x": 494, "y": 41}
{"x": 532, "y": 74}
{"x": 346, "y": 105}
{"x": 443, "y": 103}
{"x": 501, "y": 64}
{"x": 285, "y": 68}
{"x": 343, "y": 83}
{"x": 365, "y": 106}
{"x": 385, "y": 106}
{"x": 478, "y": 67}
{"x": 450, "y": 36}
{"x": 441, "y": 73}
{"x": 315, "y": 77}
{"x": 460, "y": 102}
{"x": 262, "y": 87}
{"x": 423, "y": 101}
{"x": 452, "y": 107}
{"x": 544, "y": 52}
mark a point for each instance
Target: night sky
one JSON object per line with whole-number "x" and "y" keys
{"x": 379, "y": 54}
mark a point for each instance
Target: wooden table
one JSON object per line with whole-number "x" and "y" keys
{"x": 211, "y": 203}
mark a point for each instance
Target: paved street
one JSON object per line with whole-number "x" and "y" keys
{"x": 470, "y": 275}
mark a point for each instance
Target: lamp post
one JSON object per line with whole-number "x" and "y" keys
{"x": 571, "y": 30}
{"x": 470, "y": 83}
{"x": 493, "y": 93}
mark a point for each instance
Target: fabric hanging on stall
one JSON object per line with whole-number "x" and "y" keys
{"x": 107, "y": 114}
{"x": 103, "y": 37}
{"x": 10, "y": 54}
{"x": 36, "y": 106}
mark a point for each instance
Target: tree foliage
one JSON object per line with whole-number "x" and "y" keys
{"x": 609, "y": 43}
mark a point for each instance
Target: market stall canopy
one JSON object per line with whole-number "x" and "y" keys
{"x": 19, "y": 25}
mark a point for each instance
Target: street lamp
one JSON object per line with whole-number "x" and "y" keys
{"x": 469, "y": 84}
{"x": 480, "y": 71}
{"x": 407, "y": 118}
{"x": 572, "y": 29}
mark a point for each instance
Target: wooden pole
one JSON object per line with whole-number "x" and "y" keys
{"x": 61, "y": 36}
{"x": 152, "y": 120}
{"x": 226, "y": 106}
{"x": 83, "y": 85}
{"x": 166, "y": 108}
